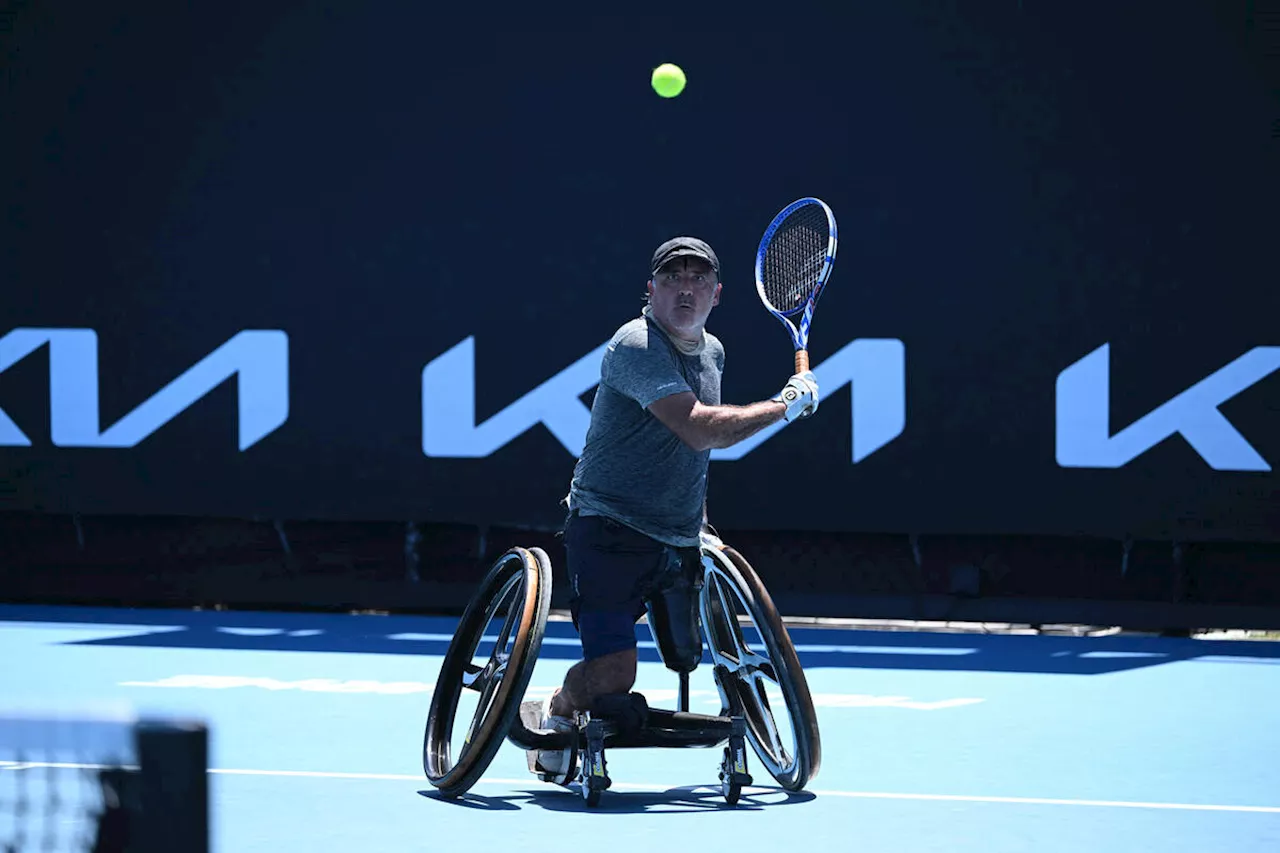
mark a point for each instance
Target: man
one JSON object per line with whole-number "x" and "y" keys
{"x": 639, "y": 488}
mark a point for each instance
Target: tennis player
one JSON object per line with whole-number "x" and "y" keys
{"x": 637, "y": 500}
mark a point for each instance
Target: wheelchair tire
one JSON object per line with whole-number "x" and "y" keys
{"x": 727, "y": 571}
{"x": 520, "y": 581}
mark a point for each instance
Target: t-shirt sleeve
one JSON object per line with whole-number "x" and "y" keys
{"x": 645, "y": 373}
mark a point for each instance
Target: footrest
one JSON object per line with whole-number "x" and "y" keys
{"x": 666, "y": 738}
{"x": 687, "y": 720}
{"x": 670, "y": 729}
{"x": 675, "y": 729}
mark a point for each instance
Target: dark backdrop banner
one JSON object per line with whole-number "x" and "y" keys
{"x": 357, "y": 261}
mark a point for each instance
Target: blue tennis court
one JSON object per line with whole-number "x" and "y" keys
{"x": 932, "y": 741}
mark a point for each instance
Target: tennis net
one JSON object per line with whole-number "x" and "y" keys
{"x": 102, "y": 782}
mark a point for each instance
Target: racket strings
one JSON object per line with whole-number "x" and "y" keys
{"x": 795, "y": 259}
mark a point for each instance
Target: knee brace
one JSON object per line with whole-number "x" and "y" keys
{"x": 672, "y": 605}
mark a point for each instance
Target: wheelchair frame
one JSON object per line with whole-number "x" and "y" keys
{"x": 520, "y": 583}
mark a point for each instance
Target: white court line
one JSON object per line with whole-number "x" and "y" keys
{"x": 636, "y": 786}
{"x": 870, "y": 795}
{"x": 650, "y": 644}
{"x": 866, "y": 795}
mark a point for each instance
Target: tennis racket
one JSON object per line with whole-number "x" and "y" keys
{"x": 793, "y": 265}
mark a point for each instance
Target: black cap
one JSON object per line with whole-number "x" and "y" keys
{"x": 683, "y": 247}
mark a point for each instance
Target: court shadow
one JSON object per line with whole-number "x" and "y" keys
{"x": 693, "y": 799}
{"x": 817, "y": 647}
{"x": 470, "y": 800}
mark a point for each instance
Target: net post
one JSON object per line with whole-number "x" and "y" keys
{"x": 173, "y": 786}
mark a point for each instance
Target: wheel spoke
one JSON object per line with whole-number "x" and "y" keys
{"x": 771, "y": 738}
{"x": 482, "y": 708}
{"x": 473, "y": 676}
{"x": 482, "y": 678}
{"x": 513, "y": 615}
{"x": 486, "y": 679}
{"x": 727, "y": 633}
{"x": 753, "y": 663}
{"x": 478, "y": 677}
{"x": 740, "y": 657}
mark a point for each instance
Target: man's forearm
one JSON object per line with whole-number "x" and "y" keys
{"x": 725, "y": 426}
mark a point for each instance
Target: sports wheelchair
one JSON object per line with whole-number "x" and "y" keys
{"x": 724, "y": 593}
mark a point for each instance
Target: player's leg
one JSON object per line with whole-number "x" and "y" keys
{"x": 587, "y": 680}
{"x": 609, "y": 565}
{"x": 669, "y": 589}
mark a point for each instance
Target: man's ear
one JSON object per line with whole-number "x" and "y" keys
{"x": 715, "y": 300}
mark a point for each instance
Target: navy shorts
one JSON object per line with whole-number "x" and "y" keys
{"x": 611, "y": 568}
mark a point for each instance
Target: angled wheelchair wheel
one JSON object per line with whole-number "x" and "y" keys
{"x": 486, "y": 670}
{"x": 748, "y": 640}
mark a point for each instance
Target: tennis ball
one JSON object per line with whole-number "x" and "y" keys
{"x": 668, "y": 80}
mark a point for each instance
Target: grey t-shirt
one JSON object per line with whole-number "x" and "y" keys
{"x": 633, "y": 468}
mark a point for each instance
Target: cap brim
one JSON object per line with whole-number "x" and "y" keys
{"x": 685, "y": 253}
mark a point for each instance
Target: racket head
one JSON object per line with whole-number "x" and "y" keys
{"x": 796, "y": 256}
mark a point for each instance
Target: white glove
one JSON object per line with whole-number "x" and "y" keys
{"x": 800, "y": 396}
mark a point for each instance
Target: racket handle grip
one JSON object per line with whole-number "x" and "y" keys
{"x": 802, "y": 361}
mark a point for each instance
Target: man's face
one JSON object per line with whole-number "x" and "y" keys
{"x": 682, "y": 295}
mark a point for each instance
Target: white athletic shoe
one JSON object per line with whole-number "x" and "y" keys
{"x": 551, "y": 765}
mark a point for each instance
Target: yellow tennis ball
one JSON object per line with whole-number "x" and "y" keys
{"x": 668, "y": 80}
